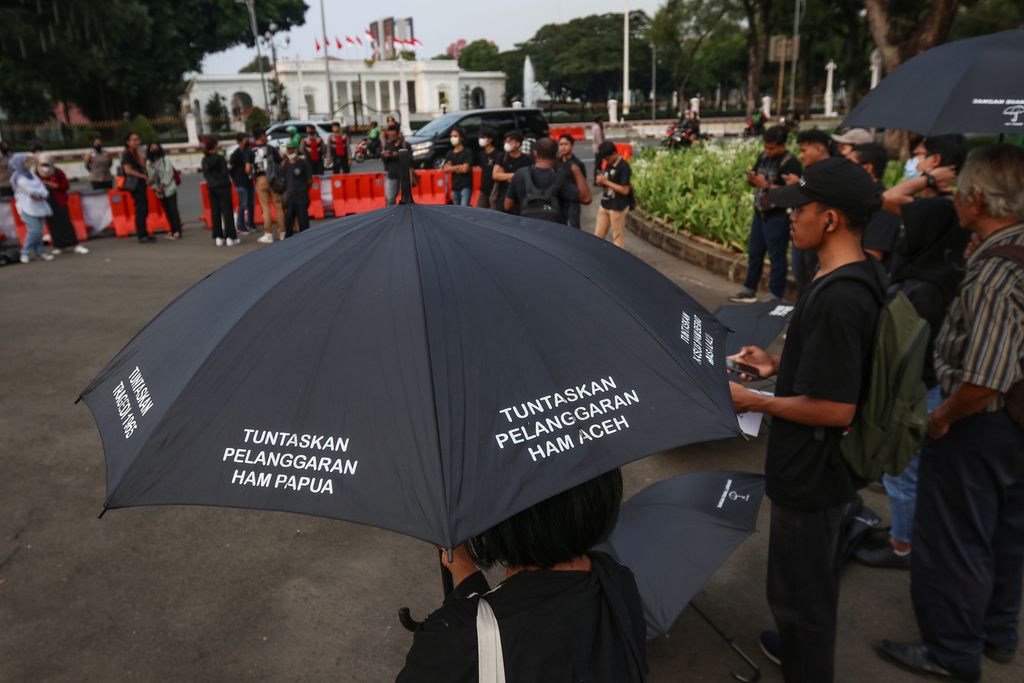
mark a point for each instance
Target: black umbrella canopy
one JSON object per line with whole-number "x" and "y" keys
{"x": 674, "y": 535}
{"x": 967, "y": 86}
{"x": 753, "y": 324}
{"x": 426, "y": 369}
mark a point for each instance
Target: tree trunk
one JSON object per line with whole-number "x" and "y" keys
{"x": 757, "y": 12}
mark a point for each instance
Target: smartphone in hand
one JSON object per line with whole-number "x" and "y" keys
{"x": 739, "y": 368}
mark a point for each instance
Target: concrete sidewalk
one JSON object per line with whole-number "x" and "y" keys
{"x": 173, "y": 594}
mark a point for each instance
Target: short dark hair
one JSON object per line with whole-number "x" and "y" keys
{"x": 128, "y": 136}
{"x": 458, "y": 129}
{"x": 210, "y": 143}
{"x": 240, "y": 136}
{"x": 606, "y": 148}
{"x": 555, "y": 530}
{"x": 874, "y": 154}
{"x": 259, "y": 132}
{"x": 514, "y": 135}
{"x": 335, "y": 123}
{"x": 814, "y": 136}
{"x": 952, "y": 149}
{"x": 488, "y": 133}
{"x": 776, "y": 135}
{"x": 566, "y": 136}
{"x": 546, "y": 148}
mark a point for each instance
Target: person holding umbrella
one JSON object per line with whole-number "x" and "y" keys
{"x": 564, "y": 612}
{"x": 821, "y": 374}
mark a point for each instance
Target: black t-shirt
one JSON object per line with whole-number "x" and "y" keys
{"x": 215, "y": 170}
{"x": 297, "y": 176}
{"x": 880, "y": 232}
{"x": 575, "y": 160}
{"x": 239, "y": 158}
{"x": 391, "y": 163}
{"x": 543, "y": 178}
{"x": 827, "y": 356}
{"x": 486, "y": 163}
{"x": 620, "y": 174}
{"x": 461, "y": 181}
{"x": 555, "y": 626}
{"x": 773, "y": 168}
{"x": 509, "y": 164}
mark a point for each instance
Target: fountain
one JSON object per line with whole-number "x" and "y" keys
{"x": 528, "y": 83}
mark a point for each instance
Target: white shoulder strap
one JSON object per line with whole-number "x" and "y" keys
{"x": 488, "y": 645}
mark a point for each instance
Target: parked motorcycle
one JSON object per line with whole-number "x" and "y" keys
{"x": 364, "y": 150}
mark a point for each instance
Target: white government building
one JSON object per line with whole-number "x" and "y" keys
{"x": 363, "y": 90}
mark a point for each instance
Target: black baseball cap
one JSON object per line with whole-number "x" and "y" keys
{"x": 834, "y": 182}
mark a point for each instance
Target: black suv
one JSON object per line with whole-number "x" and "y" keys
{"x": 430, "y": 143}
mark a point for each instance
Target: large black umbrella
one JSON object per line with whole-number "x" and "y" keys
{"x": 674, "y": 535}
{"x": 753, "y": 324}
{"x": 967, "y": 86}
{"x": 427, "y": 369}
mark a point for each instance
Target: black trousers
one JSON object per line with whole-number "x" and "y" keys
{"x": 295, "y": 211}
{"x": 62, "y": 232}
{"x": 170, "y": 205}
{"x": 966, "y": 574}
{"x": 317, "y": 165}
{"x": 340, "y": 165}
{"x": 101, "y": 184}
{"x": 803, "y": 589}
{"x": 221, "y": 212}
{"x": 141, "y": 199}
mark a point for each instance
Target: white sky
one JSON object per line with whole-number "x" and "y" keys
{"x": 437, "y": 23}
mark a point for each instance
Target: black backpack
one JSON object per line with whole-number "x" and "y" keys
{"x": 543, "y": 203}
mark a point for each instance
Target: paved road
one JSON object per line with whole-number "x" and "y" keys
{"x": 173, "y": 594}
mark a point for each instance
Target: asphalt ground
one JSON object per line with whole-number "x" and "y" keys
{"x": 190, "y": 593}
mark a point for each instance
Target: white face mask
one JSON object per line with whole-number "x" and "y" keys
{"x": 293, "y": 155}
{"x": 509, "y": 147}
{"x": 483, "y": 142}
{"x": 910, "y": 168}
{"x": 455, "y": 139}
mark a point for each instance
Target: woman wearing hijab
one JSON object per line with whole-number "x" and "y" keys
{"x": 133, "y": 168}
{"x": 62, "y": 232}
{"x": 161, "y": 177}
{"x": 564, "y": 612}
{"x": 30, "y": 199}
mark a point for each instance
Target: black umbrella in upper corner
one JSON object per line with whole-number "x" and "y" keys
{"x": 427, "y": 369}
{"x": 967, "y": 86}
{"x": 753, "y": 324}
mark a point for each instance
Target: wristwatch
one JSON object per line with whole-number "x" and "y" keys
{"x": 931, "y": 181}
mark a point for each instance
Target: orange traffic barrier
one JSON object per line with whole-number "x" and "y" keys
{"x": 156, "y": 218}
{"x": 204, "y": 194}
{"x": 432, "y": 188}
{"x": 316, "y": 201}
{"x": 124, "y": 221}
{"x": 576, "y": 132}
{"x": 77, "y": 217}
{"x": 357, "y": 192}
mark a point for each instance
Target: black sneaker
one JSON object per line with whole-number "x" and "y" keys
{"x": 744, "y": 296}
{"x": 771, "y": 646}
{"x": 999, "y": 655}
{"x": 883, "y": 557}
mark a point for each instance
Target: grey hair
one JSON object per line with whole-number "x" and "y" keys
{"x": 996, "y": 174}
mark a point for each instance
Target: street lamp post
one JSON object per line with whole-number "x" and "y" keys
{"x": 799, "y": 6}
{"x": 279, "y": 87}
{"x": 327, "y": 64}
{"x": 654, "y": 82}
{"x": 625, "y": 61}
{"x": 251, "y": 4}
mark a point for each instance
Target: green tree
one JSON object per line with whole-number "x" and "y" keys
{"x": 119, "y": 55}
{"x": 979, "y": 17}
{"x": 680, "y": 28}
{"x": 258, "y": 64}
{"x": 480, "y": 55}
{"x": 216, "y": 112}
{"x": 257, "y": 119}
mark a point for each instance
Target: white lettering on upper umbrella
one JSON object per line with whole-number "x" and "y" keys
{"x": 142, "y": 396}
{"x": 263, "y": 437}
{"x": 551, "y": 401}
{"x": 124, "y": 410}
{"x": 568, "y": 418}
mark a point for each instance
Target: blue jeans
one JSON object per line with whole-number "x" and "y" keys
{"x": 902, "y": 488}
{"x": 246, "y": 207}
{"x": 34, "y": 235}
{"x": 462, "y": 197}
{"x": 768, "y": 232}
{"x": 390, "y": 191}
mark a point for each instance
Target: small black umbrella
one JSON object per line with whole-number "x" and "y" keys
{"x": 427, "y": 369}
{"x": 753, "y": 324}
{"x": 967, "y": 86}
{"x": 674, "y": 535}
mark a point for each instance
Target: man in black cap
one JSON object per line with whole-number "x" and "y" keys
{"x": 821, "y": 373}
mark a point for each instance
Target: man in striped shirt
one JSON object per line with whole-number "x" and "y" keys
{"x": 967, "y": 567}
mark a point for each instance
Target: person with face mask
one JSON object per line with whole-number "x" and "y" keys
{"x": 133, "y": 168}
{"x": 487, "y": 155}
{"x": 161, "y": 177}
{"x": 510, "y": 161}
{"x": 62, "y": 232}
{"x": 98, "y": 163}
{"x": 298, "y": 174}
{"x": 30, "y": 197}
{"x": 393, "y": 143}
{"x": 263, "y": 165}
{"x": 459, "y": 163}
{"x": 218, "y": 186}
{"x": 5, "y": 170}
{"x": 567, "y": 156}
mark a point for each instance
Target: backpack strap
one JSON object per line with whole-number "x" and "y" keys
{"x": 490, "y": 658}
{"x": 1011, "y": 252}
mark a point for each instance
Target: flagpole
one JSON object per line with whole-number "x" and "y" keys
{"x": 327, "y": 65}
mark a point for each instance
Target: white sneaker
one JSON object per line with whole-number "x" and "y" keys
{"x": 267, "y": 238}
{"x": 230, "y": 242}
{"x": 46, "y": 257}
{"x": 25, "y": 258}
{"x": 55, "y": 252}
{"x": 79, "y": 249}
{"x": 219, "y": 241}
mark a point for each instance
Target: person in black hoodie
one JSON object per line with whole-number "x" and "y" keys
{"x": 564, "y": 612}
{"x": 218, "y": 185}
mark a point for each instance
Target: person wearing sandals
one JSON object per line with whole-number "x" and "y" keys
{"x": 161, "y": 177}
{"x": 563, "y": 612}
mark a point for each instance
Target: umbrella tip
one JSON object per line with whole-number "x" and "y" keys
{"x": 102, "y": 512}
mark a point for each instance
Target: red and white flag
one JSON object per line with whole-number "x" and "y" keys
{"x": 338, "y": 43}
{"x": 415, "y": 42}
{"x": 359, "y": 40}
{"x": 317, "y": 43}
{"x": 369, "y": 37}
{"x": 349, "y": 41}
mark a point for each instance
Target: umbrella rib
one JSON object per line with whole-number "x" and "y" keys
{"x": 611, "y": 296}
